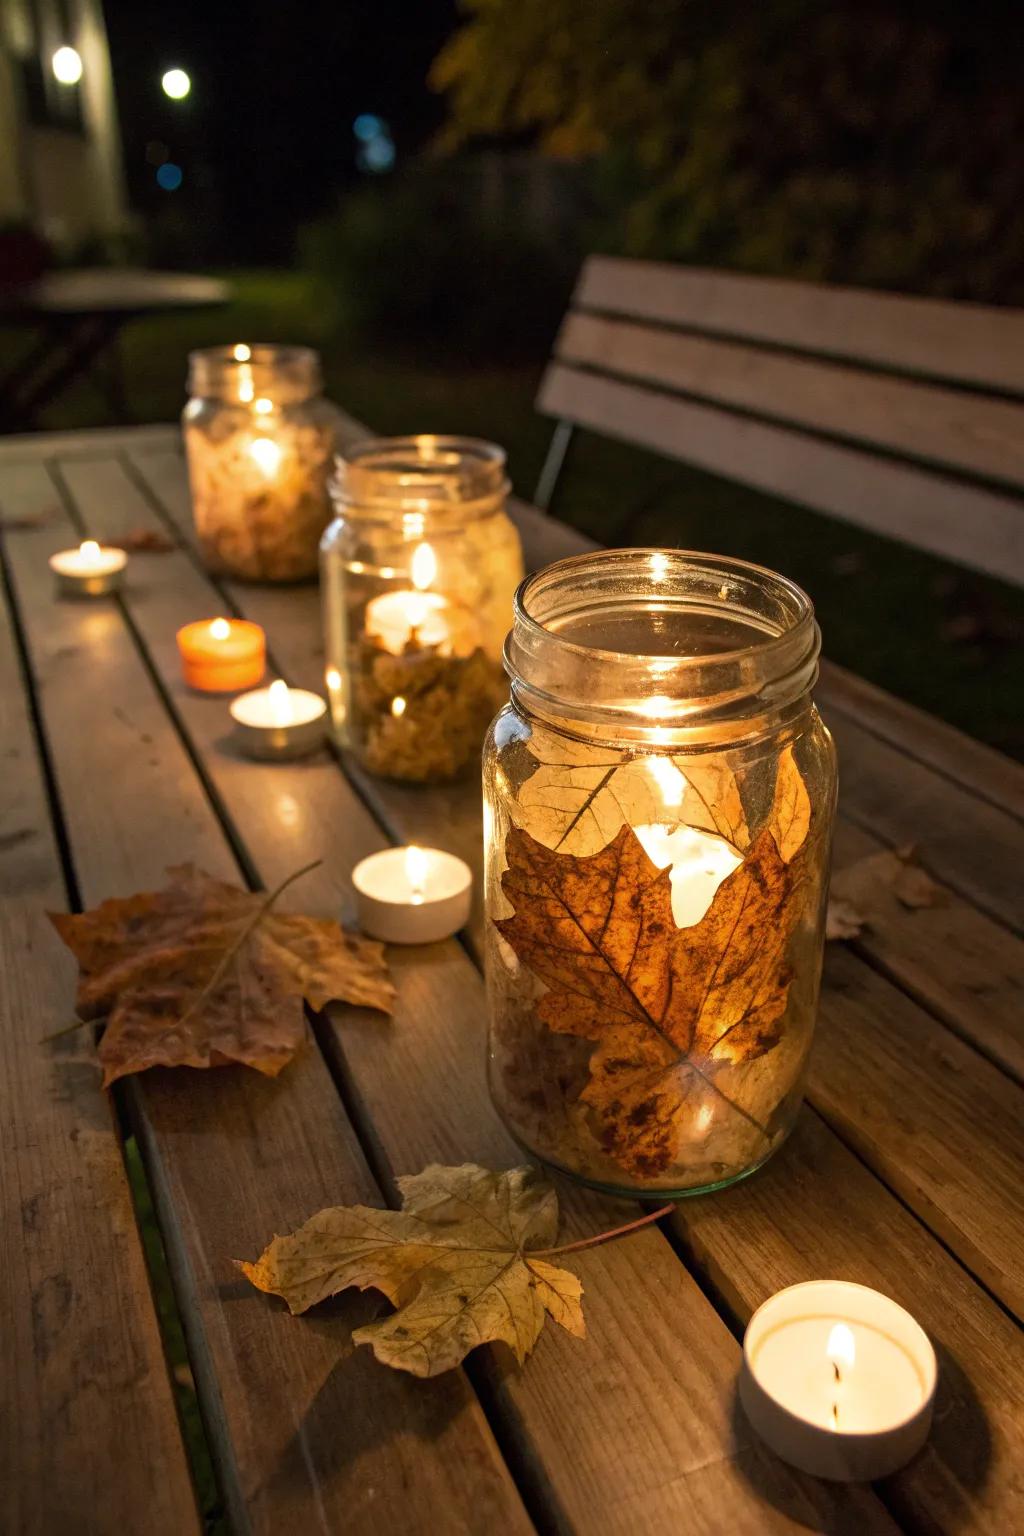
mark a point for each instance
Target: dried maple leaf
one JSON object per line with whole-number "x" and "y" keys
{"x": 790, "y": 816}
{"x": 144, "y": 541}
{"x": 666, "y": 1006}
{"x": 575, "y": 803}
{"x": 456, "y": 1261}
{"x": 201, "y": 974}
{"x": 870, "y": 891}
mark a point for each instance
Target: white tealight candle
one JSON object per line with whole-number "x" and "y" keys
{"x": 838, "y": 1380}
{"x": 279, "y": 722}
{"x": 412, "y": 895}
{"x": 91, "y": 570}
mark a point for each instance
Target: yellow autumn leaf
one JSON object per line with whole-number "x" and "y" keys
{"x": 456, "y": 1261}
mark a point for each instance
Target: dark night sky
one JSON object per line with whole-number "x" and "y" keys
{"x": 265, "y": 138}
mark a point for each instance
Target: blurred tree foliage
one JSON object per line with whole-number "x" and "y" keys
{"x": 869, "y": 141}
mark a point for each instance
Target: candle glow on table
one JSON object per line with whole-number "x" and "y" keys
{"x": 838, "y": 1379}
{"x": 412, "y": 895}
{"x": 222, "y": 655}
{"x": 91, "y": 570}
{"x": 279, "y": 722}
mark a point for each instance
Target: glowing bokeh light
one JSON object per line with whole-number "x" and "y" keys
{"x": 67, "y": 65}
{"x": 176, "y": 84}
{"x": 170, "y": 176}
{"x": 368, "y": 126}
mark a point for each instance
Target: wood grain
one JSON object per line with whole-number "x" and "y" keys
{"x": 84, "y": 1371}
{"x": 816, "y": 1211}
{"x": 971, "y": 433}
{"x": 977, "y": 528}
{"x": 418, "y": 1089}
{"x": 960, "y": 965}
{"x": 301, "y": 1432}
{"x": 870, "y": 1100}
{"x": 979, "y": 344}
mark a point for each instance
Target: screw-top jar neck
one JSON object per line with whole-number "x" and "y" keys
{"x": 429, "y": 478}
{"x": 662, "y": 647}
{"x": 243, "y": 374}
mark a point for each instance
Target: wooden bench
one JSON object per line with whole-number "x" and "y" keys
{"x": 902, "y": 415}
{"x": 904, "y": 1172}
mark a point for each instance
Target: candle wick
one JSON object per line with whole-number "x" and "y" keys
{"x": 835, "y": 1415}
{"x": 835, "y": 1368}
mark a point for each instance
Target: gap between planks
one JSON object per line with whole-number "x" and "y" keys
{"x": 897, "y": 1278}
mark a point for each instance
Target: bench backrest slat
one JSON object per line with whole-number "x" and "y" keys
{"x": 718, "y": 370}
{"x": 979, "y": 344}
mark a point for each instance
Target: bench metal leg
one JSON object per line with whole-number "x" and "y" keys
{"x": 552, "y": 467}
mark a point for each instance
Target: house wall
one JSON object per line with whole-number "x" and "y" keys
{"x": 69, "y": 183}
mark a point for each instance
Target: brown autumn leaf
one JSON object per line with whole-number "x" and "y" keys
{"x": 667, "y": 1007}
{"x": 790, "y": 816}
{"x": 575, "y": 803}
{"x": 871, "y": 891}
{"x": 144, "y": 541}
{"x": 456, "y": 1261}
{"x": 202, "y": 974}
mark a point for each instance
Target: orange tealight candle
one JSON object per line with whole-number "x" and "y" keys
{"x": 222, "y": 655}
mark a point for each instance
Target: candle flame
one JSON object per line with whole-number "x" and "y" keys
{"x": 263, "y": 406}
{"x": 241, "y": 353}
{"x": 841, "y": 1348}
{"x": 332, "y": 677}
{"x": 424, "y": 567}
{"x": 668, "y": 778}
{"x": 280, "y": 702}
{"x": 416, "y": 871}
{"x": 220, "y": 629}
{"x": 398, "y": 707}
{"x": 266, "y": 454}
{"x": 89, "y": 552}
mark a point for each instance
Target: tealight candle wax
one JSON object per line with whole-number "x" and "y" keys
{"x": 419, "y": 617}
{"x": 838, "y": 1379}
{"x": 91, "y": 570}
{"x": 222, "y": 655}
{"x": 279, "y": 722}
{"x": 412, "y": 895}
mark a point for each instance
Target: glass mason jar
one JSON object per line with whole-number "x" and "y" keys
{"x": 259, "y": 439}
{"x": 658, "y": 806}
{"x": 419, "y": 569}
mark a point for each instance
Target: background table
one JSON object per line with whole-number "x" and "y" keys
{"x": 904, "y": 1173}
{"x": 78, "y": 317}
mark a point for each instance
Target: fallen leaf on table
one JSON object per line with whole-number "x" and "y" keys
{"x": 455, "y": 1261}
{"x": 667, "y": 1007}
{"x": 143, "y": 541}
{"x": 12, "y": 522}
{"x": 202, "y": 974}
{"x": 863, "y": 894}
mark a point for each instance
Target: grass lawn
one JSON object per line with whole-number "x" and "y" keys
{"x": 947, "y": 640}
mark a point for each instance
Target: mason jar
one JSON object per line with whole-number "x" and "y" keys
{"x": 418, "y": 573}
{"x": 658, "y": 798}
{"x": 259, "y": 439}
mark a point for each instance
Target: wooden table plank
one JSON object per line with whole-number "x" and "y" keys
{"x": 600, "y": 1468}
{"x": 300, "y": 1432}
{"x": 960, "y": 965}
{"x": 954, "y": 1475}
{"x": 84, "y": 1370}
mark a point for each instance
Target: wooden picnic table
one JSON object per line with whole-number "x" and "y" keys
{"x": 78, "y": 316}
{"x": 904, "y": 1173}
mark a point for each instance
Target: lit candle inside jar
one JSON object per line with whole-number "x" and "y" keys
{"x": 279, "y": 722}
{"x": 838, "y": 1379}
{"x": 418, "y": 617}
{"x": 699, "y": 861}
{"x": 412, "y": 895}
{"x": 91, "y": 570}
{"x": 222, "y": 655}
